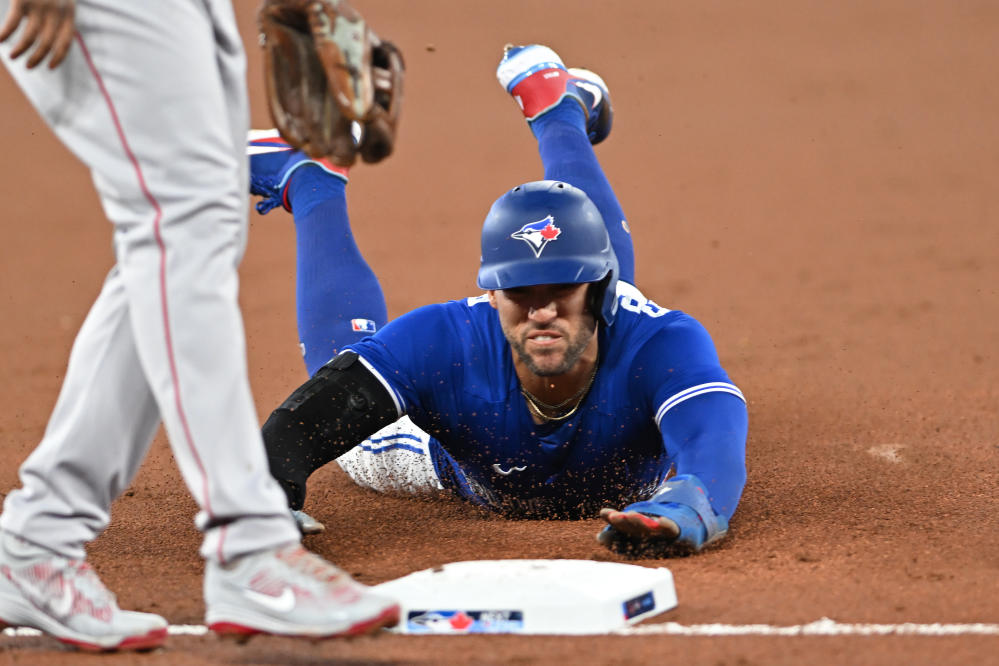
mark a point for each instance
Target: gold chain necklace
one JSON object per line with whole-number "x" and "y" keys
{"x": 536, "y": 404}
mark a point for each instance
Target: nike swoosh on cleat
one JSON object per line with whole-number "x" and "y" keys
{"x": 281, "y": 603}
{"x": 62, "y": 606}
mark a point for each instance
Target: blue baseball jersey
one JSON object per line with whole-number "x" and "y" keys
{"x": 450, "y": 368}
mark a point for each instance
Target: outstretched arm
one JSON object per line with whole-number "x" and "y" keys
{"x": 707, "y": 435}
{"x": 341, "y": 405}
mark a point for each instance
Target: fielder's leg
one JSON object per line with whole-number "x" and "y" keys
{"x": 171, "y": 175}
{"x": 164, "y": 163}
{"x": 65, "y": 502}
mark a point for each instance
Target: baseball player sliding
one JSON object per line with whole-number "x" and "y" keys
{"x": 151, "y": 96}
{"x": 561, "y": 392}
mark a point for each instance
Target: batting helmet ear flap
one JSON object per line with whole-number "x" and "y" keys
{"x": 603, "y": 303}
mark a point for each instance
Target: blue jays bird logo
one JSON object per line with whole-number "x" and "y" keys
{"x": 538, "y": 234}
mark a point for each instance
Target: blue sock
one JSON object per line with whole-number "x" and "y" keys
{"x": 339, "y": 298}
{"x": 568, "y": 156}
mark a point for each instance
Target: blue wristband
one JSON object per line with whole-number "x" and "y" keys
{"x": 684, "y": 500}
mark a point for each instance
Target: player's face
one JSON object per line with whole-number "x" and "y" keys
{"x": 549, "y": 326}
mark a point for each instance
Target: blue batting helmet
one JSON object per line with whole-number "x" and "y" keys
{"x": 549, "y": 232}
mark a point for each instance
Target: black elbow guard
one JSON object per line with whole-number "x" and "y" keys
{"x": 331, "y": 413}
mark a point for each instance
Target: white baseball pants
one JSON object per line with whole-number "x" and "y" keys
{"x": 152, "y": 98}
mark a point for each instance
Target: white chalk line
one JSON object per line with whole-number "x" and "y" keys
{"x": 823, "y": 627}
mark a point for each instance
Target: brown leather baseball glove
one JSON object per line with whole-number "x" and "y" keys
{"x": 334, "y": 88}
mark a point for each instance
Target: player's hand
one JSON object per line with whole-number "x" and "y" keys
{"x": 678, "y": 519}
{"x": 48, "y": 24}
{"x": 633, "y": 533}
{"x": 641, "y": 525}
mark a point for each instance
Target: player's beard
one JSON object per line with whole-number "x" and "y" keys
{"x": 574, "y": 351}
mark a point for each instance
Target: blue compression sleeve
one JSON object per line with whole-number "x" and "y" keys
{"x": 339, "y": 298}
{"x": 568, "y": 156}
{"x": 706, "y": 437}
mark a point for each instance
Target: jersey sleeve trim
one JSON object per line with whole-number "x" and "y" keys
{"x": 693, "y": 391}
{"x": 400, "y": 404}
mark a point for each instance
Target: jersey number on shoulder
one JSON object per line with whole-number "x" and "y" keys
{"x": 642, "y": 307}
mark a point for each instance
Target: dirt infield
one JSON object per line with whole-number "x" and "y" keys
{"x": 815, "y": 182}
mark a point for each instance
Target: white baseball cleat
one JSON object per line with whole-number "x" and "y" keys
{"x": 538, "y": 80}
{"x": 291, "y": 592}
{"x": 65, "y": 599}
